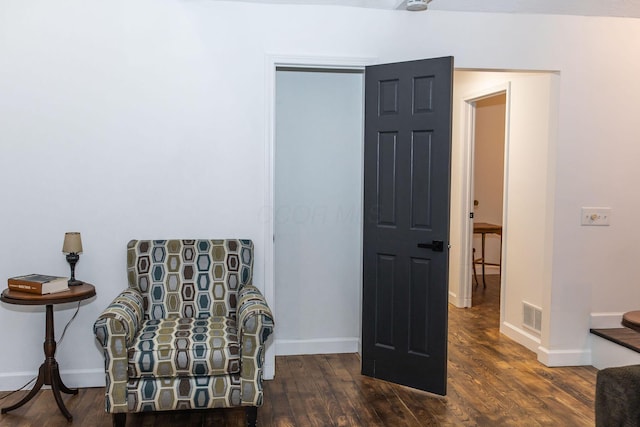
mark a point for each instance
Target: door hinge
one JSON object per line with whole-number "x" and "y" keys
{"x": 471, "y": 215}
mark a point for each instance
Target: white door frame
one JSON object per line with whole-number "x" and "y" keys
{"x": 468, "y": 148}
{"x": 272, "y": 62}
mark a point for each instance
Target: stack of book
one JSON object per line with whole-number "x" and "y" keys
{"x": 40, "y": 284}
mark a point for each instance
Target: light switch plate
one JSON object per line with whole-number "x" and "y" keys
{"x": 595, "y": 216}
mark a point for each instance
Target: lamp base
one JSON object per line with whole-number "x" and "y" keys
{"x": 72, "y": 259}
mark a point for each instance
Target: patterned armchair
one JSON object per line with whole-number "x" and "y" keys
{"x": 188, "y": 332}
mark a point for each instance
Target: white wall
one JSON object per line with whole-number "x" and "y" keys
{"x": 146, "y": 118}
{"x": 318, "y": 211}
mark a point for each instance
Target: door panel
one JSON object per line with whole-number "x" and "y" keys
{"x": 420, "y": 180}
{"x": 406, "y": 202}
{"x": 384, "y": 299}
{"x": 419, "y": 307}
{"x": 387, "y": 179}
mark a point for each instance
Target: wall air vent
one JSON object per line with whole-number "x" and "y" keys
{"x": 531, "y": 317}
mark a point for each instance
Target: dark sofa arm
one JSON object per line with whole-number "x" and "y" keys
{"x": 618, "y": 396}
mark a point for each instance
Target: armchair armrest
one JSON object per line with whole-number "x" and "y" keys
{"x": 255, "y": 324}
{"x": 115, "y": 329}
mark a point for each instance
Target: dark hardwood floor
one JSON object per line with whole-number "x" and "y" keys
{"x": 492, "y": 381}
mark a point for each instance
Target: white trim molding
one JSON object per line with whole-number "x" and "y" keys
{"x": 467, "y": 142}
{"x": 605, "y": 320}
{"x": 458, "y": 301}
{"x": 569, "y": 357}
{"x": 74, "y": 378}
{"x": 521, "y": 336}
{"x": 551, "y": 358}
{"x": 317, "y": 346}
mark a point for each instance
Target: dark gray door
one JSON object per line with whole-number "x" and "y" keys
{"x": 407, "y": 156}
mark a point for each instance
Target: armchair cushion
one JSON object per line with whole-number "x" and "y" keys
{"x": 183, "y": 347}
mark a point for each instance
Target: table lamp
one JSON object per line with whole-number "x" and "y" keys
{"x": 72, "y": 246}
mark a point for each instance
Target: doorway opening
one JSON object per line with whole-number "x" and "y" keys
{"x": 318, "y": 209}
{"x": 530, "y": 128}
{"x": 488, "y": 191}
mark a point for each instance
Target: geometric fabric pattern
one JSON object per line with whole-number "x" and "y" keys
{"x": 185, "y": 347}
{"x": 166, "y": 394}
{"x": 188, "y": 332}
{"x": 189, "y": 278}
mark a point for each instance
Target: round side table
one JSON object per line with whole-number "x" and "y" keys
{"x": 49, "y": 374}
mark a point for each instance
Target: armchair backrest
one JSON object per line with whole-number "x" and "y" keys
{"x": 189, "y": 278}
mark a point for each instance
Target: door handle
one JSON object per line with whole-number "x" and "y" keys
{"x": 435, "y": 245}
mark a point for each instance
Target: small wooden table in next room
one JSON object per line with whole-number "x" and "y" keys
{"x": 49, "y": 374}
{"x": 484, "y": 228}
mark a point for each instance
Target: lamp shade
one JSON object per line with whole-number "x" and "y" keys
{"x": 72, "y": 243}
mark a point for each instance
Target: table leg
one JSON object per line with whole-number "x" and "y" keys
{"x": 500, "y": 264}
{"x": 473, "y": 265}
{"x": 55, "y": 388}
{"x": 49, "y": 373}
{"x": 38, "y": 385}
{"x": 63, "y": 388}
{"x": 484, "y": 283}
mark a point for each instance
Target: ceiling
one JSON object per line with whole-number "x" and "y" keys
{"x": 618, "y": 8}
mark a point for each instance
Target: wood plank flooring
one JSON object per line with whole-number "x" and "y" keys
{"x": 492, "y": 381}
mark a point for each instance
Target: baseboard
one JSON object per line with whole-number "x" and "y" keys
{"x": 459, "y": 302}
{"x": 605, "y": 320}
{"x": 81, "y": 378}
{"x": 84, "y": 377}
{"x": 557, "y": 358}
{"x": 15, "y": 380}
{"x": 76, "y": 378}
{"x": 547, "y": 357}
{"x": 521, "y": 336}
{"x": 488, "y": 269}
{"x": 269, "y": 372}
{"x": 316, "y": 346}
